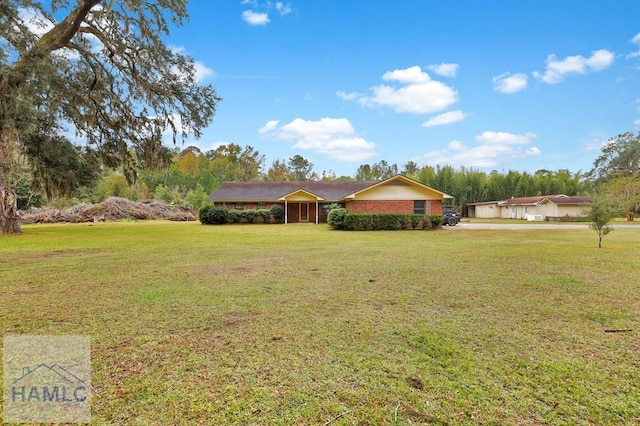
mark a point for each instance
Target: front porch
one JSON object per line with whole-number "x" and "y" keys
{"x": 303, "y": 207}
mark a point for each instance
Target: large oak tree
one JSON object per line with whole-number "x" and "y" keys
{"x": 100, "y": 67}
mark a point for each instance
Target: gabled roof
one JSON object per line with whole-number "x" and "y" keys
{"x": 400, "y": 178}
{"x": 333, "y": 191}
{"x": 273, "y": 191}
{"x": 301, "y": 191}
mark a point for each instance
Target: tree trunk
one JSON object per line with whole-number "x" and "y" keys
{"x": 9, "y": 219}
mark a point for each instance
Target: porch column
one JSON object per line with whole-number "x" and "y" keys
{"x": 285, "y": 212}
{"x": 316, "y": 211}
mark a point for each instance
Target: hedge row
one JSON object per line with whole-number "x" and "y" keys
{"x": 210, "y": 215}
{"x": 343, "y": 220}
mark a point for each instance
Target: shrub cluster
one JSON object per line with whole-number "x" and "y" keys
{"x": 220, "y": 215}
{"x": 343, "y": 220}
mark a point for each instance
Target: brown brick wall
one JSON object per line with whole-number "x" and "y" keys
{"x": 391, "y": 206}
{"x": 380, "y": 206}
{"x": 436, "y": 207}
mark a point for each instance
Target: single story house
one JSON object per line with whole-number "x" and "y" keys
{"x": 307, "y": 201}
{"x": 546, "y": 207}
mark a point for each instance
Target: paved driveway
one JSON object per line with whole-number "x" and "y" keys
{"x": 530, "y": 225}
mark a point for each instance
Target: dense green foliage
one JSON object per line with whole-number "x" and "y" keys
{"x": 210, "y": 215}
{"x": 341, "y": 219}
{"x": 620, "y": 157}
{"x": 277, "y": 213}
{"x": 336, "y": 217}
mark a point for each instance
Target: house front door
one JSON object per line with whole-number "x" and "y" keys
{"x": 304, "y": 212}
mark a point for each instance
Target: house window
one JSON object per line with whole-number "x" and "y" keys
{"x": 262, "y": 206}
{"x": 239, "y": 206}
{"x": 419, "y": 207}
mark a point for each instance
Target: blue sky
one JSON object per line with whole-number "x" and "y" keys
{"x": 504, "y": 85}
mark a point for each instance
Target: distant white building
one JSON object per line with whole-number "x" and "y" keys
{"x": 546, "y": 207}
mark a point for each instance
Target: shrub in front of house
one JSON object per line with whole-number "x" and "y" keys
{"x": 343, "y": 220}
{"x": 235, "y": 216}
{"x": 436, "y": 221}
{"x": 210, "y": 215}
{"x": 264, "y": 214}
{"x": 249, "y": 215}
{"x": 277, "y": 213}
{"x": 415, "y": 220}
{"x": 335, "y": 218}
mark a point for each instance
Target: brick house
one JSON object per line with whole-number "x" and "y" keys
{"x": 307, "y": 201}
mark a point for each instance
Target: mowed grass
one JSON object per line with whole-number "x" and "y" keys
{"x": 295, "y": 324}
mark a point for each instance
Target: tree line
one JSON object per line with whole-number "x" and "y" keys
{"x": 55, "y": 170}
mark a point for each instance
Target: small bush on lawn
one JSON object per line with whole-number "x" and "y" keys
{"x": 210, "y": 215}
{"x": 336, "y": 217}
{"x": 277, "y": 213}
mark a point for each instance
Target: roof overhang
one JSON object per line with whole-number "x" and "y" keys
{"x": 300, "y": 195}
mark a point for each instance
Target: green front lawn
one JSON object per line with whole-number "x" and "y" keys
{"x": 298, "y": 324}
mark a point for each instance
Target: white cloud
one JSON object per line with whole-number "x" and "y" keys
{"x": 255, "y": 18}
{"x": 510, "y": 83}
{"x": 635, "y": 40}
{"x": 636, "y": 123}
{"x": 415, "y": 93}
{"x": 504, "y": 138}
{"x": 411, "y": 75}
{"x": 347, "y": 96}
{"x": 284, "y": 9}
{"x": 203, "y": 72}
{"x": 494, "y": 149}
{"x": 333, "y": 137}
{"x": 445, "y": 118}
{"x": 445, "y": 70}
{"x": 556, "y": 69}
{"x": 269, "y": 127}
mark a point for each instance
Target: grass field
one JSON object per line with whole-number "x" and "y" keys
{"x": 295, "y": 324}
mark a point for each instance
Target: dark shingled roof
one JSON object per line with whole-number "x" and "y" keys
{"x": 271, "y": 191}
